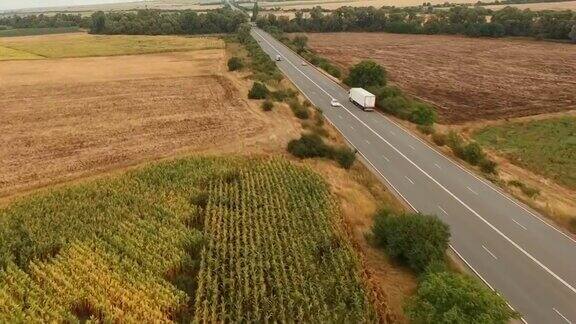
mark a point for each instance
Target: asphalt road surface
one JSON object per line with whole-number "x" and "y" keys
{"x": 509, "y": 246}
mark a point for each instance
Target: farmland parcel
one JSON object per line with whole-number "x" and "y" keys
{"x": 468, "y": 78}
{"x": 204, "y": 239}
{"x": 63, "y": 119}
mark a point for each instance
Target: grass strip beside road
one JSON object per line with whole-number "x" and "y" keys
{"x": 546, "y": 147}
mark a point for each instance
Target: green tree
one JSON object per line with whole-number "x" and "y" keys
{"x": 444, "y": 297}
{"x": 416, "y": 239}
{"x": 365, "y": 74}
{"x": 98, "y": 23}
{"x": 235, "y": 63}
{"x": 309, "y": 146}
{"x": 423, "y": 114}
{"x": 255, "y": 10}
{"x": 258, "y": 91}
{"x": 300, "y": 42}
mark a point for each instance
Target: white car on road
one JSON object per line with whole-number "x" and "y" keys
{"x": 334, "y": 103}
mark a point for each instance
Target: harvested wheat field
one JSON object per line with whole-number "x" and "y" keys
{"x": 467, "y": 78}
{"x": 63, "y": 119}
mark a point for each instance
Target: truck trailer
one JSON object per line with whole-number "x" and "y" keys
{"x": 362, "y": 99}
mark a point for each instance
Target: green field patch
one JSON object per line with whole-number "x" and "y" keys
{"x": 203, "y": 239}
{"x": 84, "y": 45}
{"x": 546, "y": 147}
{"x": 37, "y": 31}
{"x": 13, "y": 54}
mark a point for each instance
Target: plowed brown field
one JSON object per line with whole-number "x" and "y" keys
{"x": 63, "y": 119}
{"x": 467, "y": 78}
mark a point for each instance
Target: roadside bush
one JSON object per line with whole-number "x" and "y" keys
{"x": 415, "y": 239}
{"x": 330, "y": 69}
{"x": 397, "y": 106}
{"x": 440, "y": 139}
{"x": 345, "y": 157}
{"x": 382, "y": 92}
{"x": 422, "y": 114}
{"x": 426, "y": 129}
{"x": 528, "y": 191}
{"x": 365, "y": 74}
{"x": 309, "y": 146}
{"x": 235, "y": 63}
{"x": 444, "y": 297}
{"x": 488, "y": 166}
{"x": 258, "y": 91}
{"x": 472, "y": 153}
{"x": 267, "y": 105}
{"x": 283, "y": 94}
{"x": 454, "y": 141}
{"x": 299, "y": 110}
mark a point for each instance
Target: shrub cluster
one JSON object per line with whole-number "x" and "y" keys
{"x": 267, "y": 105}
{"x": 391, "y": 100}
{"x": 299, "y": 44}
{"x": 445, "y": 297}
{"x": 470, "y": 152}
{"x": 442, "y": 296}
{"x": 366, "y": 74}
{"x": 528, "y": 191}
{"x": 261, "y": 64}
{"x": 258, "y": 91}
{"x": 298, "y": 109}
{"x": 312, "y": 146}
{"x": 235, "y": 63}
{"x": 415, "y": 239}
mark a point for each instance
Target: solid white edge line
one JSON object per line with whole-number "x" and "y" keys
{"x": 489, "y": 252}
{"x": 526, "y": 253}
{"x": 563, "y": 317}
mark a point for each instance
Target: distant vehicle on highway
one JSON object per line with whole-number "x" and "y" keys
{"x": 278, "y": 57}
{"x": 334, "y": 103}
{"x": 362, "y": 99}
{"x": 304, "y": 63}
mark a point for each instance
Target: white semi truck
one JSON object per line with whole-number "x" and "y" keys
{"x": 362, "y": 98}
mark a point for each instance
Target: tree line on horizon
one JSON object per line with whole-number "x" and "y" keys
{"x": 45, "y": 21}
{"x": 470, "y": 21}
{"x": 463, "y": 20}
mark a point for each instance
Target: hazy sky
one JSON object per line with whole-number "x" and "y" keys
{"x": 18, "y": 4}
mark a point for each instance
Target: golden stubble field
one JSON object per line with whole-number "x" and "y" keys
{"x": 68, "y": 118}
{"x": 467, "y": 78}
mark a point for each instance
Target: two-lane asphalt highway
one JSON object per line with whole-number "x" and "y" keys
{"x": 506, "y": 244}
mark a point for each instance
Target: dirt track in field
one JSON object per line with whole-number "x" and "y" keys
{"x": 467, "y": 78}
{"x": 66, "y": 119}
